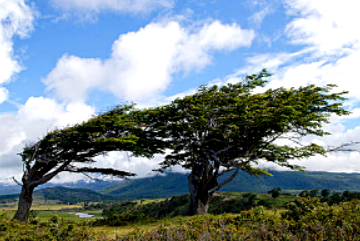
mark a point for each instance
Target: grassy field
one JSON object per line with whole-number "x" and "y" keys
{"x": 274, "y": 222}
{"x": 45, "y": 212}
{"x": 54, "y": 207}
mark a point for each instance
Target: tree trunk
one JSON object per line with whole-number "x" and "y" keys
{"x": 200, "y": 198}
{"x": 25, "y": 202}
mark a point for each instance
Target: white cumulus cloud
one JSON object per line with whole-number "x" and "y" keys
{"x": 32, "y": 121}
{"x": 142, "y": 63}
{"x": 329, "y": 25}
{"x": 16, "y": 19}
{"x": 328, "y": 41}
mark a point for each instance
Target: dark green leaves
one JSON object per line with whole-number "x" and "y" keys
{"x": 247, "y": 124}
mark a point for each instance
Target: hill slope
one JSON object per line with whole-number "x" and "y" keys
{"x": 62, "y": 194}
{"x": 94, "y": 185}
{"x": 70, "y": 195}
{"x": 176, "y": 184}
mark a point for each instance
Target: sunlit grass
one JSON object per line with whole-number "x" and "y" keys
{"x": 147, "y": 201}
{"x": 96, "y": 213}
{"x": 112, "y": 232}
{"x": 56, "y": 207}
{"x": 63, "y": 215}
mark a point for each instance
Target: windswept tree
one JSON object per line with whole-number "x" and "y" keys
{"x": 227, "y": 129}
{"x": 73, "y": 149}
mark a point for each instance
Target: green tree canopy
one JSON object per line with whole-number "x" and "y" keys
{"x": 73, "y": 149}
{"x": 229, "y": 128}
{"x": 217, "y": 130}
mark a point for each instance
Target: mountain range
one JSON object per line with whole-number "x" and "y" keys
{"x": 172, "y": 184}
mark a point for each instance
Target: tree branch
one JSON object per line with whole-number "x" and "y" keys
{"x": 215, "y": 189}
{"x": 342, "y": 147}
{"x": 107, "y": 171}
{"x": 225, "y": 171}
{"x": 49, "y": 176}
{"x": 17, "y": 182}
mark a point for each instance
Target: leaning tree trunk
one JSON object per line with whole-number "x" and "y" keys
{"x": 25, "y": 202}
{"x": 200, "y": 197}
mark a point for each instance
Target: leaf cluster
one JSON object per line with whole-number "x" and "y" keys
{"x": 229, "y": 126}
{"x": 73, "y": 149}
{"x": 233, "y": 126}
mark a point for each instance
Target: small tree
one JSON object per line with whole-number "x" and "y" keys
{"x": 227, "y": 129}
{"x": 275, "y": 192}
{"x": 314, "y": 193}
{"x": 325, "y": 193}
{"x": 304, "y": 193}
{"x": 73, "y": 150}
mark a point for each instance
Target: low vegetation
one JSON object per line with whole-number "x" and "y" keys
{"x": 306, "y": 220}
{"x": 129, "y": 212}
{"x": 234, "y": 216}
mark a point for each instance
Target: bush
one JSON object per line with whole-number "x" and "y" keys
{"x": 15, "y": 231}
{"x": 313, "y": 221}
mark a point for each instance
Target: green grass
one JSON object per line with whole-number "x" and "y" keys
{"x": 255, "y": 221}
{"x": 96, "y": 213}
{"x": 56, "y": 207}
{"x": 147, "y": 201}
{"x": 6, "y": 215}
{"x": 63, "y": 215}
{"x": 276, "y": 202}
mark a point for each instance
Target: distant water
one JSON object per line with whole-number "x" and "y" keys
{"x": 84, "y": 215}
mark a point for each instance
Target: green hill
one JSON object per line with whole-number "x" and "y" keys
{"x": 62, "y": 194}
{"x": 70, "y": 195}
{"x": 148, "y": 188}
{"x": 176, "y": 184}
{"x": 173, "y": 184}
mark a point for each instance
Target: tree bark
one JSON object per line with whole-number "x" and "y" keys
{"x": 25, "y": 202}
{"x": 200, "y": 197}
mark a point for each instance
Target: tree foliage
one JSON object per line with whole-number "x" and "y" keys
{"x": 217, "y": 130}
{"x": 233, "y": 127}
{"x": 275, "y": 192}
{"x": 229, "y": 128}
{"x": 74, "y": 148}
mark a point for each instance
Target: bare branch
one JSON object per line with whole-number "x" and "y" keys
{"x": 215, "y": 189}
{"x": 49, "y": 176}
{"x": 107, "y": 171}
{"x": 344, "y": 147}
{"x": 17, "y": 182}
{"x": 92, "y": 178}
{"x": 225, "y": 171}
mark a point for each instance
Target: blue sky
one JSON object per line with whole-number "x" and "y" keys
{"x": 63, "y": 61}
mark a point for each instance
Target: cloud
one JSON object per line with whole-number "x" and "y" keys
{"x": 16, "y": 19}
{"x": 335, "y": 161}
{"x": 91, "y": 7}
{"x": 142, "y": 63}
{"x": 40, "y": 115}
{"x": 327, "y": 30}
{"x": 74, "y": 77}
{"x": 4, "y": 93}
{"x": 258, "y": 17}
{"x": 328, "y": 44}
{"x": 32, "y": 121}
{"x": 124, "y": 161}
{"x": 194, "y": 50}
{"x": 330, "y": 26}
